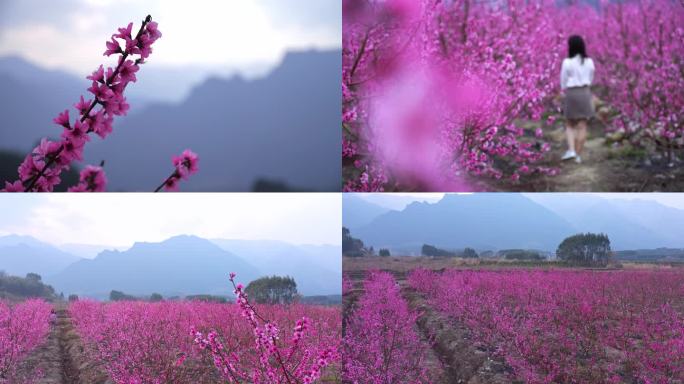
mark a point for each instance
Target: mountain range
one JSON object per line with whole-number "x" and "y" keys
{"x": 635, "y": 223}
{"x": 357, "y": 212}
{"x": 494, "y": 221}
{"x": 181, "y": 265}
{"x": 20, "y": 255}
{"x": 277, "y": 127}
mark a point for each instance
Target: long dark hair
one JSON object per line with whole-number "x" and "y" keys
{"x": 576, "y": 46}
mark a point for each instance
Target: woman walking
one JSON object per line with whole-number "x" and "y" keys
{"x": 577, "y": 74}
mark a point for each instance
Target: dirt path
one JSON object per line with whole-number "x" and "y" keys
{"x": 61, "y": 357}
{"x": 585, "y": 177}
{"x": 452, "y": 358}
{"x": 604, "y": 168}
{"x": 461, "y": 359}
{"x": 67, "y": 339}
{"x": 431, "y": 361}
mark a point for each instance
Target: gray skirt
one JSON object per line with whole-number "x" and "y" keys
{"x": 578, "y": 103}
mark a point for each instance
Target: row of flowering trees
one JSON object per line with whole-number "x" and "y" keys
{"x": 381, "y": 345}
{"x": 643, "y": 63}
{"x": 569, "y": 326}
{"x": 41, "y": 169}
{"x": 274, "y": 358}
{"x": 435, "y": 92}
{"x": 23, "y": 327}
{"x": 198, "y": 342}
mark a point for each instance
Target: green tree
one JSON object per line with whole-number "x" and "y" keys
{"x": 470, "y": 253}
{"x": 120, "y": 296}
{"x": 156, "y": 297}
{"x": 33, "y": 277}
{"x": 585, "y": 249}
{"x": 521, "y": 254}
{"x": 206, "y": 298}
{"x": 384, "y": 252}
{"x": 29, "y": 286}
{"x": 273, "y": 290}
{"x": 350, "y": 246}
{"x": 431, "y": 250}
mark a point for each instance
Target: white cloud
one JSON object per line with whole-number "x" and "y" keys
{"x": 102, "y": 3}
{"x": 52, "y": 48}
{"x": 121, "y": 219}
{"x": 203, "y": 32}
{"x": 86, "y": 22}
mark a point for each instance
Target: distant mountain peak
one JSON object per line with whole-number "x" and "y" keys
{"x": 23, "y": 254}
{"x": 19, "y": 237}
{"x": 303, "y": 54}
{"x": 181, "y": 264}
{"x": 24, "y": 69}
{"x": 184, "y": 237}
{"x": 278, "y": 116}
{"x": 484, "y": 221}
{"x": 358, "y": 212}
{"x": 13, "y": 239}
{"x": 175, "y": 241}
{"x": 416, "y": 204}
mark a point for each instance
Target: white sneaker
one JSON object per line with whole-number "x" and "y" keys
{"x": 578, "y": 160}
{"x": 569, "y": 155}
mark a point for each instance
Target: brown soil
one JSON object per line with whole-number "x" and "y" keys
{"x": 357, "y": 267}
{"x": 431, "y": 361}
{"x": 605, "y": 167}
{"x": 61, "y": 358}
{"x": 463, "y": 360}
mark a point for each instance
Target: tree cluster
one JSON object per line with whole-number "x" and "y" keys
{"x": 29, "y": 286}
{"x": 115, "y": 295}
{"x": 353, "y": 247}
{"x": 207, "y": 298}
{"x": 521, "y": 254}
{"x": 469, "y": 253}
{"x": 432, "y": 251}
{"x": 587, "y": 249}
{"x": 273, "y": 290}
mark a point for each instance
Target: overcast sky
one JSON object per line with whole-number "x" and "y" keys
{"x": 400, "y": 200}
{"x": 120, "y": 219}
{"x": 675, "y": 200}
{"x": 71, "y": 34}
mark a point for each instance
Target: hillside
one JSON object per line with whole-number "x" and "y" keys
{"x": 20, "y": 255}
{"x": 495, "y": 221}
{"x": 179, "y": 265}
{"x": 273, "y": 129}
{"x": 482, "y": 221}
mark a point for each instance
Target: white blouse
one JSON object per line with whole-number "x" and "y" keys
{"x": 574, "y": 73}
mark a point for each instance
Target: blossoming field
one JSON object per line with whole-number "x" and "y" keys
{"x": 130, "y": 342}
{"x": 527, "y": 325}
{"x": 23, "y": 327}
{"x": 139, "y": 342}
{"x": 381, "y": 344}
{"x": 465, "y": 95}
